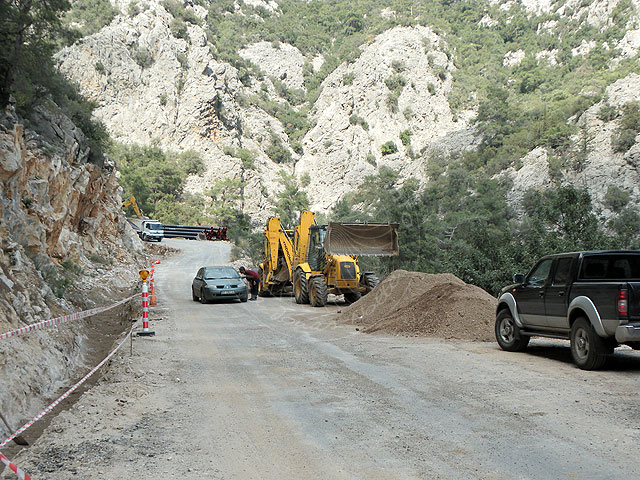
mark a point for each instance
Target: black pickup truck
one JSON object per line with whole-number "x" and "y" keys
{"x": 589, "y": 298}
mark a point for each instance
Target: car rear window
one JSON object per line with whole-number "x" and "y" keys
{"x": 611, "y": 267}
{"x": 220, "y": 272}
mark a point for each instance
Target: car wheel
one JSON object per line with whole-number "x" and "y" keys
{"x": 244, "y": 299}
{"x": 194, "y": 297}
{"x": 508, "y": 333}
{"x": 203, "y": 299}
{"x": 588, "y": 350}
{"x": 144, "y": 237}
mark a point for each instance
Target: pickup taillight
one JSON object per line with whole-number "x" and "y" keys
{"x": 623, "y": 303}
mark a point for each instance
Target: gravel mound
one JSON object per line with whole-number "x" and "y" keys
{"x": 423, "y": 304}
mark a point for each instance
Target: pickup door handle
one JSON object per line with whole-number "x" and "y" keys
{"x": 541, "y": 293}
{"x": 561, "y": 293}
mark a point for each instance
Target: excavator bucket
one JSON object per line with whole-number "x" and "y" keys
{"x": 373, "y": 239}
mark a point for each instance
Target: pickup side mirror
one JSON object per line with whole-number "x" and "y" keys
{"x": 518, "y": 278}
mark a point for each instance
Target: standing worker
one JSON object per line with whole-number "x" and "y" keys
{"x": 253, "y": 278}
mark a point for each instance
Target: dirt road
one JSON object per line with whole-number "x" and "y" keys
{"x": 275, "y": 390}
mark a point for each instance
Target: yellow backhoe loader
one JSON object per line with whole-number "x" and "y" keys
{"x": 134, "y": 204}
{"x": 323, "y": 259}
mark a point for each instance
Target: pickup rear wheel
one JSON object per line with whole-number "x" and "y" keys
{"x": 588, "y": 349}
{"x": 508, "y": 333}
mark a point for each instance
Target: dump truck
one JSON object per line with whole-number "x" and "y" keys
{"x": 318, "y": 260}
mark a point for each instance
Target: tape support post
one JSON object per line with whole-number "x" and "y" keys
{"x": 63, "y": 319}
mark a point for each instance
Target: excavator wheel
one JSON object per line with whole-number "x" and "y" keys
{"x": 318, "y": 292}
{"x": 351, "y": 297}
{"x": 369, "y": 280}
{"x": 300, "y": 287}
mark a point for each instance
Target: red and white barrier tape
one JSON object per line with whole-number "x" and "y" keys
{"x": 64, "y": 318}
{"x": 14, "y": 468}
{"x": 66, "y": 394}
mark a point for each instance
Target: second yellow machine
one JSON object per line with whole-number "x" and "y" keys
{"x": 322, "y": 259}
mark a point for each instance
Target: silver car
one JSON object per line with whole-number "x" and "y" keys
{"x": 218, "y": 283}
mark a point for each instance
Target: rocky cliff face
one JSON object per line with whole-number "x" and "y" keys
{"x": 182, "y": 99}
{"x": 395, "y": 91}
{"x": 61, "y": 231}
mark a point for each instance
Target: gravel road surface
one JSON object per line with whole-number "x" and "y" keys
{"x": 275, "y": 390}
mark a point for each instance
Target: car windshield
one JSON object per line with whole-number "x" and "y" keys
{"x": 154, "y": 226}
{"x": 220, "y": 272}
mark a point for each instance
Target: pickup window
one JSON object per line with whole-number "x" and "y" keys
{"x": 610, "y": 267}
{"x": 540, "y": 274}
{"x": 563, "y": 271}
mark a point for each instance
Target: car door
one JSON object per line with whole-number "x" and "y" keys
{"x": 557, "y": 293}
{"x": 530, "y": 295}
{"x": 197, "y": 282}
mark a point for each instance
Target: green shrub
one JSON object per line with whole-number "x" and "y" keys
{"x": 246, "y": 156}
{"x": 133, "y": 9}
{"x": 180, "y": 84}
{"x": 623, "y": 140}
{"x": 398, "y": 66}
{"x": 191, "y": 162}
{"x": 178, "y": 10}
{"x": 143, "y": 57}
{"x": 91, "y": 15}
{"x": 296, "y": 146}
{"x": 183, "y": 60}
{"x": 99, "y": 67}
{"x": 395, "y": 82}
{"x": 607, "y": 113}
{"x": 405, "y": 137}
{"x": 99, "y": 259}
{"x": 179, "y": 29}
{"x": 358, "y": 120}
{"x": 616, "y": 198}
{"x": 371, "y": 159}
{"x": 277, "y": 151}
{"x": 431, "y": 88}
{"x": 631, "y": 116}
{"x": 56, "y": 279}
{"x": 163, "y": 99}
{"x": 388, "y": 148}
{"x": 347, "y": 78}
{"x": 392, "y": 101}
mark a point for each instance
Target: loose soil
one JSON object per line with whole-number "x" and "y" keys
{"x": 422, "y": 304}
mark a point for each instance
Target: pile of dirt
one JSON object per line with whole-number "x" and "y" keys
{"x": 422, "y": 304}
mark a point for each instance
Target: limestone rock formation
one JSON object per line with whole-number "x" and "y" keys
{"x": 398, "y": 84}
{"x": 60, "y": 215}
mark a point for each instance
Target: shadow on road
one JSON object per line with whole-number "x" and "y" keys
{"x": 621, "y": 360}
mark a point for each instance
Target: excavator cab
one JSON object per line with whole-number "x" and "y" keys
{"x": 316, "y": 257}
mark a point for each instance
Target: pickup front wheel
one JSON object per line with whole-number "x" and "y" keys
{"x": 508, "y": 333}
{"x": 588, "y": 350}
